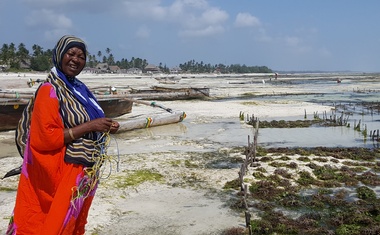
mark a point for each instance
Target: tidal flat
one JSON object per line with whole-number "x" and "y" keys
{"x": 190, "y": 167}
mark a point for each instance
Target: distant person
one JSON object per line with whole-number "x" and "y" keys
{"x": 61, "y": 149}
{"x": 275, "y": 76}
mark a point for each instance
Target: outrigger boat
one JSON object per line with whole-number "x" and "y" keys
{"x": 155, "y": 93}
{"x": 11, "y": 110}
{"x": 114, "y": 102}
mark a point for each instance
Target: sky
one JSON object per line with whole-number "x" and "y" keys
{"x": 284, "y": 35}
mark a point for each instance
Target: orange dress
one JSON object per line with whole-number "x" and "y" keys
{"x": 47, "y": 202}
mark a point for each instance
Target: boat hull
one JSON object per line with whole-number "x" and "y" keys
{"x": 10, "y": 112}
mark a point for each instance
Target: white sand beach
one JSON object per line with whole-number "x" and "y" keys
{"x": 188, "y": 200}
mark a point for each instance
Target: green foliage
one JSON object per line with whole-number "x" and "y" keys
{"x": 10, "y": 55}
{"x": 200, "y": 67}
{"x": 40, "y": 63}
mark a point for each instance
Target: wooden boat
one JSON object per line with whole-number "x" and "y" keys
{"x": 168, "y": 79}
{"x": 154, "y": 93}
{"x": 11, "y": 110}
{"x": 10, "y": 113}
{"x": 114, "y": 105}
{"x": 170, "y": 93}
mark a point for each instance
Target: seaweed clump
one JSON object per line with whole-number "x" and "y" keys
{"x": 320, "y": 195}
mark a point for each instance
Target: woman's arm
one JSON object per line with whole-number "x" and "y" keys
{"x": 99, "y": 124}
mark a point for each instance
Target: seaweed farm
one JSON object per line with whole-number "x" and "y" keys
{"x": 359, "y": 108}
{"x": 316, "y": 173}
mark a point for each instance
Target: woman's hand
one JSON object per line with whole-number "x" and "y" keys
{"x": 103, "y": 125}
{"x": 114, "y": 127}
{"x": 99, "y": 125}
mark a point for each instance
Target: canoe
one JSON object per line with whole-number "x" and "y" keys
{"x": 170, "y": 93}
{"x": 168, "y": 79}
{"x": 11, "y": 110}
{"x": 114, "y": 105}
{"x": 153, "y": 93}
{"x": 10, "y": 113}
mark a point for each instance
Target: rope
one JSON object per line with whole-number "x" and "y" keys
{"x": 183, "y": 116}
{"x": 149, "y": 121}
{"x": 93, "y": 174}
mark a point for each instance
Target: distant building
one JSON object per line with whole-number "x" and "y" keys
{"x": 114, "y": 69}
{"x": 176, "y": 70}
{"x": 102, "y": 68}
{"x": 3, "y": 67}
{"x": 151, "y": 68}
{"x": 25, "y": 64}
{"x": 134, "y": 71}
{"x": 90, "y": 70}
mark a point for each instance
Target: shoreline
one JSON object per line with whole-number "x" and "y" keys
{"x": 191, "y": 199}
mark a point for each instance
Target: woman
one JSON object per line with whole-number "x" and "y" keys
{"x": 62, "y": 149}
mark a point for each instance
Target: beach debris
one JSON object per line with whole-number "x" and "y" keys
{"x": 13, "y": 172}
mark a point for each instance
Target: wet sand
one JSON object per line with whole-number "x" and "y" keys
{"x": 190, "y": 199}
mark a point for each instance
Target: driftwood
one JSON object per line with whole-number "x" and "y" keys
{"x": 150, "y": 121}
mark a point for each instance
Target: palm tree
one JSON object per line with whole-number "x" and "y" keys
{"x": 37, "y": 50}
{"x": 4, "y": 55}
{"x": 99, "y": 55}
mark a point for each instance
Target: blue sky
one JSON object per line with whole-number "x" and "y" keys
{"x": 285, "y": 35}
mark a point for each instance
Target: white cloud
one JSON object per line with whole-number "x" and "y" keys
{"x": 48, "y": 18}
{"x": 208, "y": 17}
{"x": 54, "y": 34}
{"x": 53, "y": 25}
{"x": 214, "y": 16}
{"x": 191, "y": 17}
{"x": 195, "y": 3}
{"x": 49, "y": 2}
{"x": 246, "y": 20}
{"x": 210, "y": 22}
{"x": 207, "y": 31}
{"x": 148, "y": 9}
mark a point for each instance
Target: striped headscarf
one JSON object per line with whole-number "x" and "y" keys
{"x": 80, "y": 90}
{"x": 64, "y": 44}
{"x": 77, "y": 105}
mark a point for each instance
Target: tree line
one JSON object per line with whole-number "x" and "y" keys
{"x": 40, "y": 60}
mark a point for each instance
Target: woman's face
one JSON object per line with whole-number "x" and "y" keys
{"x": 73, "y": 62}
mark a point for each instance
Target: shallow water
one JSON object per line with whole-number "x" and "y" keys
{"x": 230, "y": 132}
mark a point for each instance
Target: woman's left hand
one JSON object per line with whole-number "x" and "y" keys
{"x": 114, "y": 127}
